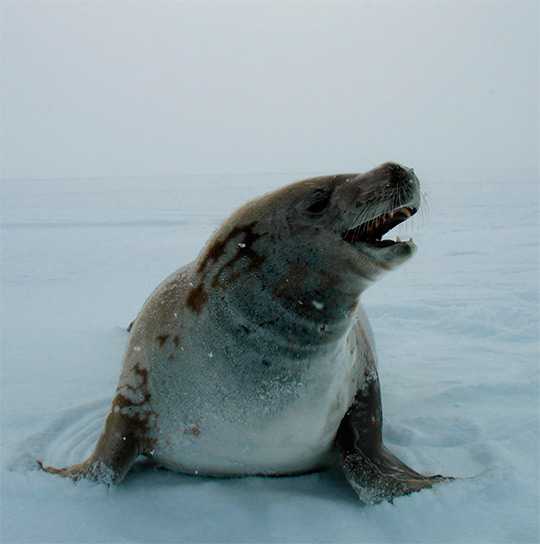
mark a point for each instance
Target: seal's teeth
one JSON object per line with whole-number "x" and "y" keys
{"x": 398, "y": 239}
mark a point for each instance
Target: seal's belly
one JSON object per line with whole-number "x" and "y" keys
{"x": 220, "y": 416}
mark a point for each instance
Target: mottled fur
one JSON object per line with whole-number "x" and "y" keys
{"x": 257, "y": 358}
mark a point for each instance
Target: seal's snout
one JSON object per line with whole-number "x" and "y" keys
{"x": 399, "y": 175}
{"x": 385, "y": 197}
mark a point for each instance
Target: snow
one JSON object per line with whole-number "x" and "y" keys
{"x": 458, "y": 339}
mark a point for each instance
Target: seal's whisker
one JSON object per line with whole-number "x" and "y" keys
{"x": 425, "y": 207}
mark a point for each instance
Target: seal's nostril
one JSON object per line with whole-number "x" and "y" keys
{"x": 399, "y": 174}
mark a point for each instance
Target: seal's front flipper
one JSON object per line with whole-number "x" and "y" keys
{"x": 373, "y": 471}
{"x": 117, "y": 449}
{"x": 383, "y": 476}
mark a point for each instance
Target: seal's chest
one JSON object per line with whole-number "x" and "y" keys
{"x": 235, "y": 420}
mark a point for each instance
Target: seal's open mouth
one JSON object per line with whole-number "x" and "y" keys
{"x": 372, "y": 231}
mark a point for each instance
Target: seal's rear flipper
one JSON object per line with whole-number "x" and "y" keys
{"x": 117, "y": 449}
{"x": 374, "y": 472}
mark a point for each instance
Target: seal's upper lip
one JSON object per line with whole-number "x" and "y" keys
{"x": 372, "y": 231}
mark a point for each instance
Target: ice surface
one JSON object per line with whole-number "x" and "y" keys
{"x": 457, "y": 330}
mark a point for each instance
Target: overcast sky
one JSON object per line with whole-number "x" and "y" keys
{"x": 111, "y": 88}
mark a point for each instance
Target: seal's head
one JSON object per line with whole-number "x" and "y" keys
{"x": 320, "y": 237}
{"x": 353, "y": 212}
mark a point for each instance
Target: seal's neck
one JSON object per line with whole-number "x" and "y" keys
{"x": 287, "y": 286}
{"x": 296, "y": 304}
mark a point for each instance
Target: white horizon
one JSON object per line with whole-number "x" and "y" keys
{"x": 119, "y": 89}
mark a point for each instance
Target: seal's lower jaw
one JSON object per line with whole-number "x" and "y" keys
{"x": 389, "y": 256}
{"x": 368, "y": 238}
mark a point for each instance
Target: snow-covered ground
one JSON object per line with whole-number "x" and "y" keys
{"x": 458, "y": 338}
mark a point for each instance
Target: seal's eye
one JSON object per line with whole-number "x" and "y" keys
{"x": 321, "y": 199}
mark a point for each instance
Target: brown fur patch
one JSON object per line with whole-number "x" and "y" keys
{"x": 217, "y": 249}
{"x": 197, "y": 298}
{"x": 134, "y": 427}
{"x": 243, "y": 250}
{"x": 143, "y": 386}
{"x": 162, "y": 339}
{"x": 244, "y": 237}
{"x": 137, "y": 423}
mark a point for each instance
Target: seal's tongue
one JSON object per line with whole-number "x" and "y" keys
{"x": 372, "y": 231}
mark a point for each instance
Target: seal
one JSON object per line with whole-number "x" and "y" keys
{"x": 257, "y": 358}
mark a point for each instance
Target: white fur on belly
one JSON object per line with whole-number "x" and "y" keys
{"x": 230, "y": 421}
